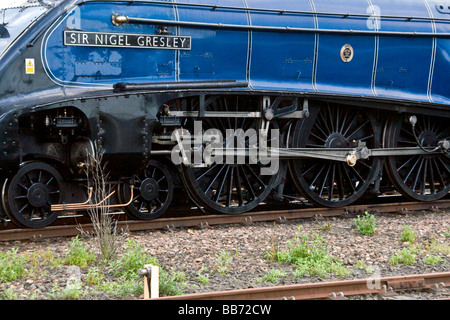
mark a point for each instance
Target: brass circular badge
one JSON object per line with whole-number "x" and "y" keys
{"x": 347, "y": 53}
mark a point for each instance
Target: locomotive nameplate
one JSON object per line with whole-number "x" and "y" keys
{"x": 125, "y": 40}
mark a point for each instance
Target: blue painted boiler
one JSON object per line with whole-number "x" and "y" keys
{"x": 398, "y": 47}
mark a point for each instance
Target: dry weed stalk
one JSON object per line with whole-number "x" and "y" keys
{"x": 106, "y": 234}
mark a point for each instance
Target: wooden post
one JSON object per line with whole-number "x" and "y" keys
{"x": 151, "y": 281}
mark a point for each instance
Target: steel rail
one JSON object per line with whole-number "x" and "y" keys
{"x": 326, "y": 290}
{"x": 209, "y": 220}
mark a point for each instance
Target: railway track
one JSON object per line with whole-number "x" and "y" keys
{"x": 193, "y": 218}
{"x": 334, "y": 290}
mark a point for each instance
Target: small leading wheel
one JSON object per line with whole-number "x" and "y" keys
{"x": 152, "y": 192}
{"x": 418, "y": 177}
{"x": 27, "y": 197}
{"x": 334, "y": 183}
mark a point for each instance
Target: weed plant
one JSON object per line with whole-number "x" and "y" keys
{"x": 366, "y": 224}
{"x": 309, "y": 254}
{"x": 12, "y": 266}
{"x": 408, "y": 235}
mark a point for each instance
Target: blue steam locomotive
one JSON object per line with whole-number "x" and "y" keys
{"x": 350, "y": 99}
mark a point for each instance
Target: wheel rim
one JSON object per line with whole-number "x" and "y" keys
{"x": 229, "y": 188}
{"x": 152, "y": 193}
{"x": 27, "y": 197}
{"x": 419, "y": 177}
{"x": 334, "y": 183}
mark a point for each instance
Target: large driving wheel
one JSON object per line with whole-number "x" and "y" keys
{"x": 230, "y": 188}
{"x": 27, "y": 197}
{"x": 418, "y": 177}
{"x": 334, "y": 183}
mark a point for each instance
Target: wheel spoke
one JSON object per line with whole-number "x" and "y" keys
{"x": 316, "y": 177}
{"x": 222, "y": 184}
{"x": 324, "y": 181}
{"x": 355, "y": 131}
{"x": 23, "y": 208}
{"x": 431, "y": 175}
{"x": 424, "y": 177}
{"x": 343, "y": 123}
{"x": 405, "y": 163}
{"x": 418, "y": 174}
{"x": 247, "y": 182}
{"x": 22, "y": 186}
{"x": 48, "y": 182}
{"x": 441, "y": 179}
{"x": 318, "y": 127}
{"x": 255, "y": 176}
{"x": 31, "y": 214}
{"x": 331, "y": 122}
{"x": 347, "y": 175}
{"x": 162, "y": 179}
{"x": 311, "y": 168}
{"x": 340, "y": 183}
{"x": 318, "y": 138}
{"x": 444, "y": 166}
{"x": 237, "y": 180}
{"x": 159, "y": 201}
{"x": 357, "y": 175}
{"x": 331, "y": 185}
{"x": 207, "y": 171}
{"x": 230, "y": 187}
{"x": 321, "y": 117}
{"x": 350, "y": 124}
{"x": 214, "y": 180}
{"x": 365, "y": 138}
{"x": 29, "y": 178}
{"x": 411, "y": 171}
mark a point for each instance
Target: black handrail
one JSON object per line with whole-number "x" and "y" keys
{"x": 281, "y": 11}
{"x": 120, "y": 19}
{"x": 179, "y": 85}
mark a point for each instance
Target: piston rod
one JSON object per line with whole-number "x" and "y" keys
{"x": 348, "y": 155}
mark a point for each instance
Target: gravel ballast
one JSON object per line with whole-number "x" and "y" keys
{"x": 236, "y": 256}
